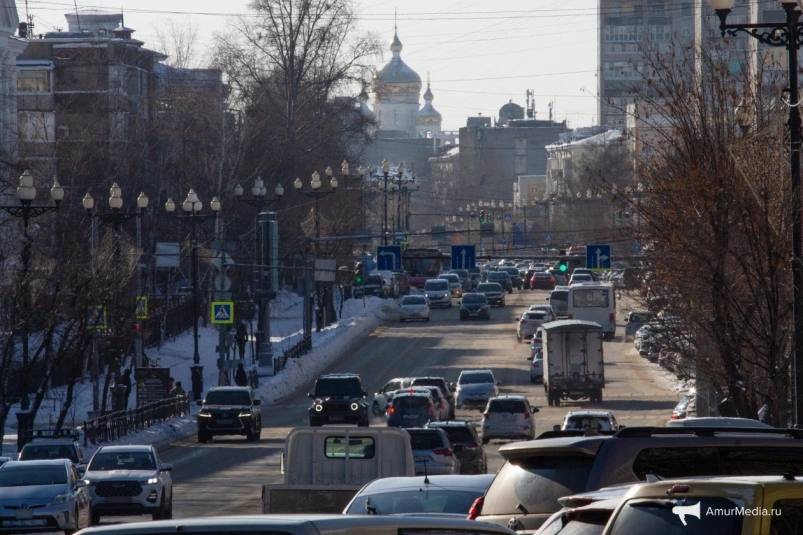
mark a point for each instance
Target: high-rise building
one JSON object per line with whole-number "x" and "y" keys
{"x": 10, "y": 47}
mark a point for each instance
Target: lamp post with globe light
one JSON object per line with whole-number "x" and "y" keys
{"x": 25, "y": 209}
{"x": 789, "y": 35}
{"x": 192, "y": 213}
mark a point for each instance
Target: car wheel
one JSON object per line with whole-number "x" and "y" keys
{"x": 77, "y": 524}
{"x": 157, "y": 515}
{"x": 168, "y": 514}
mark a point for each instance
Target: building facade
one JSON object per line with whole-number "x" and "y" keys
{"x": 10, "y": 47}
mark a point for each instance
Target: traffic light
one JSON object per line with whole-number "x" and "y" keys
{"x": 358, "y": 278}
{"x": 563, "y": 266}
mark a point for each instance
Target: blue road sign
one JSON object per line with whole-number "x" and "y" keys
{"x": 222, "y": 312}
{"x": 388, "y": 257}
{"x": 598, "y": 256}
{"x": 464, "y": 256}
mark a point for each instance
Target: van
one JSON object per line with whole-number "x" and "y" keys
{"x": 559, "y": 301}
{"x": 438, "y": 293}
{"x": 595, "y": 303}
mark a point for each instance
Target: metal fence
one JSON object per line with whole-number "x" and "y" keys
{"x": 118, "y": 424}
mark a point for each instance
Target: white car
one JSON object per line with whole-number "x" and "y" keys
{"x": 530, "y": 322}
{"x": 475, "y": 388}
{"x": 129, "y": 480}
{"x": 413, "y": 307}
{"x": 594, "y": 420}
{"x": 438, "y": 293}
{"x": 384, "y": 395}
{"x": 508, "y": 416}
{"x": 581, "y": 278}
{"x": 544, "y": 308}
{"x": 537, "y": 367}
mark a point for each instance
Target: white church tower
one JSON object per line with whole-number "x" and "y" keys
{"x": 396, "y": 91}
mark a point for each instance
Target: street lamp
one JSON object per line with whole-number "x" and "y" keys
{"x": 786, "y": 34}
{"x": 192, "y": 207}
{"x": 26, "y": 210}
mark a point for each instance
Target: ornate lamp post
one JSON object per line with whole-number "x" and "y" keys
{"x": 25, "y": 209}
{"x": 192, "y": 207}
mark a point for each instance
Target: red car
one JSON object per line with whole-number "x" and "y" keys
{"x": 543, "y": 280}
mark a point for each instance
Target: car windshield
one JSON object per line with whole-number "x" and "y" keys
{"x": 473, "y": 378}
{"x": 591, "y": 298}
{"x": 507, "y": 405}
{"x": 658, "y": 517}
{"x": 582, "y": 277}
{"x": 538, "y": 315}
{"x": 122, "y": 460}
{"x": 325, "y": 387}
{"x": 414, "y": 300}
{"x": 423, "y": 500}
{"x": 492, "y": 287}
{"x": 25, "y": 476}
{"x": 426, "y": 440}
{"x": 33, "y": 452}
{"x": 579, "y": 423}
{"x": 474, "y": 299}
{"x": 436, "y": 286}
{"x": 560, "y": 295}
{"x": 458, "y": 435}
{"x": 451, "y": 277}
{"x": 430, "y": 381}
{"x": 228, "y": 397}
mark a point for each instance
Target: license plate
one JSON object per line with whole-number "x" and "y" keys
{"x": 24, "y": 523}
{"x": 336, "y": 418}
{"x": 225, "y": 421}
{"x": 23, "y": 514}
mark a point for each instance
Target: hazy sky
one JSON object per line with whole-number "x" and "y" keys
{"x": 479, "y": 54}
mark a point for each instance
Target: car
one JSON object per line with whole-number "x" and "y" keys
{"x": 373, "y": 285}
{"x": 401, "y": 283}
{"x": 595, "y": 420}
{"x": 584, "y": 271}
{"x": 384, "y": 395}
{"x": 438, "y": 293}
{"x": 718, "y": 422}
{"x": 586, "y": 518}
{"x": 537, "y": 367}
{"x": 433, "y": 452}
{"x": 42, "y": 495}
{"x": 54, "y": 444}
{"x": 338, "y": 398}
{"x": 530, "y": 321}
{"x": 4, "y": 460}
{"x": 411, "y": 409}
{"x": 508, "y": 416}
{"x": 129, "y": 480}
{"x": 581, "y": 278}
{"x": 559, "y": 301}
{"x": 475, "y": 276}
{"x": 738, "y": 505}
{"x": 526, "y": 275}
{"x": 465, "y": 278}
{"x": 438, "y": 400}
{"x": 515, "y": 275}
{"x": 503, "y": 278}
{"x": 475, "y": 305}
{"x": 634, "y": 320}
{"x": 452, "y": 494}
{"x": 446, "y": 387}
{"x": 455, "y": 284}
{"x": 413, "y": 307}
{"x": 306, "y": 525}
{"x": 493, "y": 291}
{"x": 466, "y": 445}
{"x": 685, "y": 408}
{"x": 542, "y": 280}
{"x": 539, "y": 471}
{"x": 230, "y": 410}
{"x": 475, "y": 388}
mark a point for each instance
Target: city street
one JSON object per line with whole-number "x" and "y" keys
{"x": 224, "y": 477}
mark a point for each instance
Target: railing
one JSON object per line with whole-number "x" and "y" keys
{"x": 119, "y": 424}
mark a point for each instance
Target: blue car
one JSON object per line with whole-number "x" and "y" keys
{"x": 410, "y": 409}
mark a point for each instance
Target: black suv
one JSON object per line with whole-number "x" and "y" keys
{"x": 466, "y": 444}
{"x": 338, "y": 398}
{"x": 536, "y": 473}
{"x": 230, "y": 410}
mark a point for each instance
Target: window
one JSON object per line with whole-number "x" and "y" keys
{"x": 726, "y": 460}
{"x": 789, "y": 519}
{"x": 343, "y": 387}
{"x": 353, "y": 448}
{"x": 591, "y": 298}
{"x": 512, "y": 406}
{"x": 228, "y": 397}
{"x": 657, "y": 516}
{"x": 33, "y": 81}
{"x": 427, "y": 440}
{"x": 129, "y": 460}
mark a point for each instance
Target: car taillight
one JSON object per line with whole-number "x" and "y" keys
{"x": 476, "y": 508}
{"x": 447, "y": 452}
{"x": 390, "y": 410}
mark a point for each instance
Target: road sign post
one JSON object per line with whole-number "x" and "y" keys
{"x": 464, "y": 256}
{"x": 388, "y": 258}
{"x": 222, "y": 312}
{"x": 598, "y": 256}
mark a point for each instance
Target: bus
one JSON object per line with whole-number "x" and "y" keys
{"x": 594, "y": 302}
{"x": 423, "y": 264}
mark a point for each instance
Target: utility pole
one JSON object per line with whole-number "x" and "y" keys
{"x": 268, "y": 237}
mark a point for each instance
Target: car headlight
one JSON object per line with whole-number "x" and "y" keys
{"x": 245, "y": 415}
{"x": 204, "y": 414}
{"x": 355, "y": 406}
{"x": 152, "y": 481}
{"x": 318, "y": 407}
{"x": 60, "y": 499}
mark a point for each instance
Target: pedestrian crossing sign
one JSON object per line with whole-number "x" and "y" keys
{"x": 96, "y": 318}
{"x": 222, "y": 312}
{"x": 142, "y": 307}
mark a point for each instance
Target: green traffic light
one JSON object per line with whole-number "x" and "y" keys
{"x": 563, "y": 268}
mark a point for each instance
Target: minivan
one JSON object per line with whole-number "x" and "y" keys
{"x": 438, "y": 293}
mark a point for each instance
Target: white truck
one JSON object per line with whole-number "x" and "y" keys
{"x": 573, "y": 363}
{"x": 324, "y": 467}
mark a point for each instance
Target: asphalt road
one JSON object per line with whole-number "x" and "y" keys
{"x": 225, "y": 476}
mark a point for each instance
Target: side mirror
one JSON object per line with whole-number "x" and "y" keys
{"x": 166, "y": 467}
{"x": 257, "y": 402}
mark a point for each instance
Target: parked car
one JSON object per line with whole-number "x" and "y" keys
{"x": 451, "y": 494}
{"x": 559, "y": 301}
{"x": 634, "y": 321}
{"x": 537, "y": 472}
{"x": 413, "y": 307}
{"x": 502, "y": 277}
{"x": 455, "y": 284}
{"x": 433, "y": 452}
{"x": 306, "y": 525}
{"x": 384, "y": 395}
{"x": 529, "y": 322}
{"x": 493, "y": 291}
{"x": 466, "y": 445}
{"x": 411, "y": 409}
{"x": 230, "y": 410}
{"x": 438, "y": 293}
{"x": 129, "y": 480}
{"x": 508, "y": 416}
{"x": 594, "y": 420}
{"x": 475, "y": 388}
{"x": 543, "y": 280}
{"x": 42, "y": 495}
{"x": 537, "y": 367}
{"x": 338, "y": 398}
{"x": 475, "y": 305}
{"x": 446, "y": 387}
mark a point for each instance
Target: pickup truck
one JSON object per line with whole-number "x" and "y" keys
{"x": 324, "y": 467}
